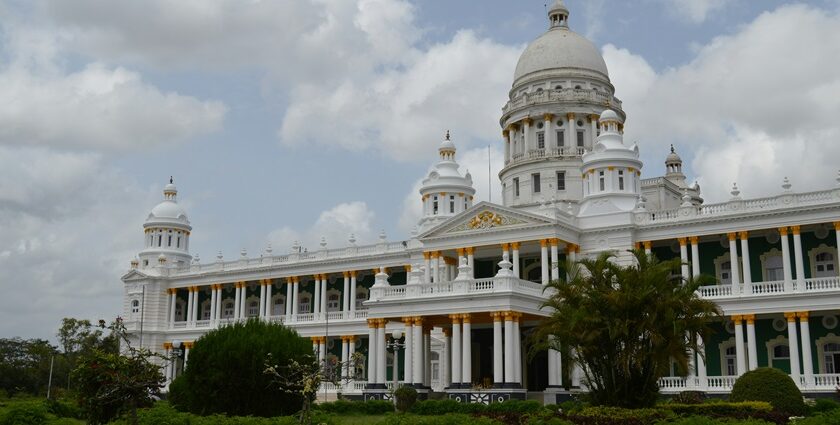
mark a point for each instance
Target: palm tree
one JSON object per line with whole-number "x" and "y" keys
{"x": 626, "y": 324}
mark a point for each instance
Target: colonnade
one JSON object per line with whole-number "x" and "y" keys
{"x": 519, "y": 139}
{"x": 797, "y": 338}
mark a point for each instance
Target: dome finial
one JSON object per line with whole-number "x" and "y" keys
{"x": 558, "y": 15}
{"x": 672, "y": 148}
{"x": 447, "y": 134}
{"x": 170, "y": 180}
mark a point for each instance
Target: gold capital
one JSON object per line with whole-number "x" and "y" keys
{"x": 737, "y": 319}
{"x": 732, "y": 236}
{"x": 794, "y": 230}
{"x": 694, "y": 240}
{"x": 682, "y": 241}
{"x": 783, "y": 231}
{"x": 803, "y": 316}
{"x": 744, "y": 235}
{"x": 791, "y": 317}
{"x": 514, "y": 245}
{"x": 548, "y": 117}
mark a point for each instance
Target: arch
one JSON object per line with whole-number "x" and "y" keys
{"x": 205, "y": 310}
{"x": 728, "y": 358}
{"x": 778, "y": 349}
{"x": 252, "y": 306}
{"x": 723, "y": 269}
{"x": 828, "y": 353}
{"x": 361, "y": 296}
{"x": 135, "y": 306}
{"x": 304, "y": 302}
{"x": 278, "y": 305}
{"x": 532, "y": 272}
{"x": 333, "y": 300}
{"x": 823, "y": 261}
{"x": 180, "y": 310}
{"x": 228, "y": 308}
{"x": 772, "y": 266}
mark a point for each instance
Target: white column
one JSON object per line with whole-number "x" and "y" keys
{"x": 439, "y": 265}
{"x": 552, "y": 368}
{"x": 544, "y": 260}
{"x": 324, "y": 308}
{"x": 372, "y": 350}
{"x": 213, "y": 297}
{"x": 187, "y": 347}
{"x": 190, "y": 297}
{"x": 380, "y": 353}
{"x": 352, "y": 291}
{"x": 466, "y": 368}
{"x": 570, "y": 128}
{"x": 740, "y": 357}
{"x": 345, "y": 294}
{"x": 555, "y": 260}
{"x": 514, "y": 247}
{"x": 837, "y": 236}
{"x": 322, "y": 350}
{"x": 695, "y": 257}
{"x": 752, "y": 354}
{"x": 745, "y": 261}
{"x": 269, "y": 285}
{"x": 807, "y": 361}
{"x": 417, "y": 335}
{"x": 593, "y": 121}
{"x": 345, "y": 357}
{"x": 550, "y": 138}
{"x": 683, "y": 258}
{"x": 647, "y": 245}
{"x": 409, "y": 350}
{"x": 173, "y": 301}
{"x": 797, "y": 256}
{"x": 167, "y": 370}
{"x": 471, "y": 261}
{"x": 498, "y": 358}
{"x": 701, "y": 362}
{"x": 434, "y": 261}
{"x": 218, "y": 313}
{"x": 509, "y": 373}
{"x": 506, "y": 136}
{"x": 289, "y": 296}
{"x": 783, "y": 233}
{"x": 317, "y": 306}
{"x": 446, "y": 359}
{"x": 793, "y": 345}
{"x": 262, "y": 299}
{"x": 456, "y": 348}
{"x": 296, "y": 296}
{"x": 517, "y": 350}
{"x": 733, "y": 260}
{"x": 351, "y": 350}
{"x": 526, "y": 132}
{"x": 427, "y": 267}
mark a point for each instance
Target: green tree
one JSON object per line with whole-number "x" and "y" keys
{"x": 226, "y": 371}
{"x": 626, "y": 324}
{"x": 109, "y": 384}
{"x": 25, "y": 365}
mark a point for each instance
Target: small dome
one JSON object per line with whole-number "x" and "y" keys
{"x": 560, "y": 48}
{"x": 558, "y": 7}
{"x": 673, "y": 157}
{"x": 168, "y": 209}
{"x": 609, "y": 115}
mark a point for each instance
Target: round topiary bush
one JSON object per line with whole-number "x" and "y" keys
{"x": 226, "y": 371}
{"x": 770, "y": 385}
{"x": 406, "y": 397}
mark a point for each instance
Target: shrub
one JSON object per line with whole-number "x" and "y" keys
{"x": 437, "y": 407}
{"x": 514, "y": 406}
{"x": 831, "y": 417}
{"x": 31, "y": 413}
{"x": 448, "y": 419}
{"x": 406, "y": 397}
{"x": 702, "y": 420}
{"x": 343, "y": 407}
{"x": 62, "y": 409}
{"x": 824, "y": 405}
{"x": 770, "y": 385}
{"x": 226, "y": 371}
{"x": 618, "y": 416}
{"x": 689, "y": 397}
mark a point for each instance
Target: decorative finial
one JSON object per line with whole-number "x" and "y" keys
{"x": 243, "y": 253}
{"x": 786, "y": 184}
{"x": 735, "y": 191}
{"x": 447, "y": 134}
{"x": 672, "y": 148}
{"x": 382, "y": 236}
{"x": 170, "y": 180}
{"x": 838, "y": 178}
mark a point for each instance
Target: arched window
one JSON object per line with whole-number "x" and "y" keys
{"x": 774, "y": 269}
{"x": 824, "y": 265}
{"x": 228, "y": 310}
{"x": 205, "y": 310}
{"x": 729, "y": 360}
{"x": 726, "y": 272}
{"x": 253, "y": 308}
{"x": 831, "y": 357}
{"x": 303, "y": 305}
{"x": 135, "y": 306}
{"x": 180, "y": 310}
{"x": 781, "y": 351}
{"x": 361, "y": 296}
{"x": 333, "y": 301}
{"x": 279, "y": 306}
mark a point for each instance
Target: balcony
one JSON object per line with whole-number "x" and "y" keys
{"x": 539, "y": 154}
{"x": 827, "y": 382}
{"x": 567, "y": 95}
{"x": 488, "y": 286}
{"x": 762, "y": 289}
{"x": 333, "y": 316}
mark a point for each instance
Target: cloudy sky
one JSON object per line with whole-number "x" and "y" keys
{"x": 291, "y": 120}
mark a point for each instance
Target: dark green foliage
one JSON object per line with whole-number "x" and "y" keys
{"x": 824, "y": 405}
{"x": 448, "y": 419}
{"x": 689, "y": 397}
{"x": 732, "y": 410}
{"x": 28, "y": 413}
{"x": 436, "y": 407}
{"x": 63, "y": 409}
{"x": 770, "y": 385}
{"x": 831, "y": 417}
{"x": 406, "y": 397}
{"x": 618, "y": 416}
{"x": 442, "y": 407}
{"x": 226, "y": 371}
{"x": 25, "y": 365}
{"x": 163, "y": 414}
{"x": 344, "y": 407}
{"x": 626, "y": 324}
{"x": 701, "y": 420}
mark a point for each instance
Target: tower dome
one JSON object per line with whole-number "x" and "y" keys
{"x": 559, "y": 49}
{"x": 167, "y": 231}
{"x": 673, "y": 169}
{"x": 445, "y": 192}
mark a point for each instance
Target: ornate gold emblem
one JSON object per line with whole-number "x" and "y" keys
{"x": 485, "y": 220}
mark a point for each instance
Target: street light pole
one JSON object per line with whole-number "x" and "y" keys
{"x": 394, "y": 344}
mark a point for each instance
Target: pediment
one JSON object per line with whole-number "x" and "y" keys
{"x": 485, "y": 216}
{"x": 134, "y": 275}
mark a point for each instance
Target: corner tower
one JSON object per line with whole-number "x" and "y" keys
{"x": 560, "y": 87}
{"x": 445, "y": 192}
{"x": 167, "y": 233}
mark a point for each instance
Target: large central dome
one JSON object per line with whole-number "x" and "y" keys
{"x": 559, "y": 49}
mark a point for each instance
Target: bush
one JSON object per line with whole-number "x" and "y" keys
{"x": 824, "y": 405}
{"x": 448, "y": 419}
{"x": 689, "y": 397}
{"x": 344, "y": 407}
{"x": 618, "y": 416}
{"x": 30, "y": 413}
{"x": 437, "y": 407}
{"x": 163, "y": 414}
{"x": 406, "y": 397}
{"x": 770, "y": 385}
{"x": 702, "y": 420}
{"x": 831, "y": 417}
{"x": 226, "y": 371}
{"x": 63, "y": 409}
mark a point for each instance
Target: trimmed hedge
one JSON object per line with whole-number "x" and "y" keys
{"x": 618, "y": 416}
{"x": 343, "y": 407}
{"x": 164, "y": 414}
{"x": 406, "y": 397}
{"x": 824, "y": 405}
{"x": 831, "y": 417}
{"x": 448, "y": 419}
{"x": 770, "y": 385}
{"x": 442, "y": 407}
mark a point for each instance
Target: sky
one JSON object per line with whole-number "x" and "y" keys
{"x": 301, "y": 119}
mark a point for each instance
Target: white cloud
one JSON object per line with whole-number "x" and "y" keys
{"x": 695, "y": 11}
{"x": 65, "y": 240}
{"x": 335, "y": 225}
{"x": 743, "y": 110}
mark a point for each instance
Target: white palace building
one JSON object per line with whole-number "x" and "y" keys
{"x": 465, "y": 290}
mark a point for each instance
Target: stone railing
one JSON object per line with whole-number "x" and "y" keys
{"x": 723, "y": 384}
{"x": 761, "y": 289}
{"x": 324, "y": 254}
{"x": 458, "y": 287}
{"x": 333, "y": 316}
{"x": 738, "y": 206}
{"x": 570, "y": 95}
{"x": 537, "y": 154}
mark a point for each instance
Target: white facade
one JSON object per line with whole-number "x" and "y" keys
{"x": 470, "y": 282}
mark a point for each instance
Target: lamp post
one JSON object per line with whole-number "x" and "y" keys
{"x": 393, "y": 345}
